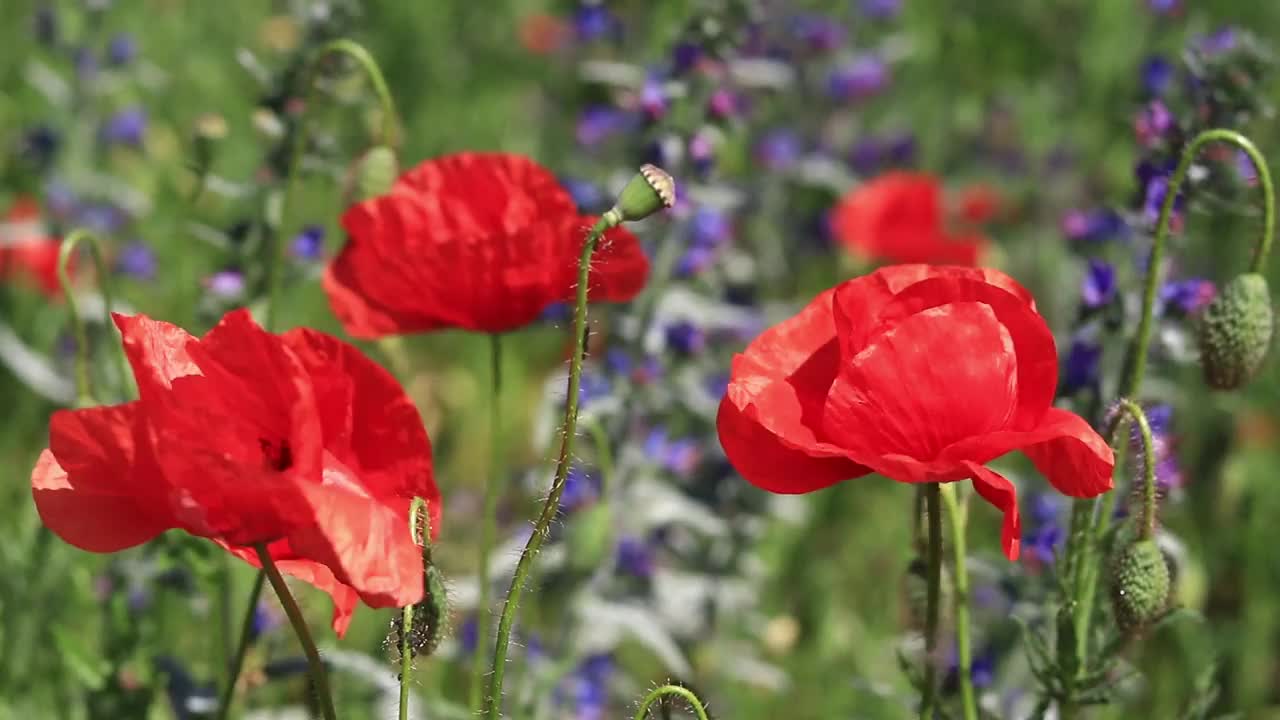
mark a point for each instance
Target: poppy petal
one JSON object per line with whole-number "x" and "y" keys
{"x": 1033, "y": 344}
{"x": 897, "y": 396}
{"x": 85, "y": 487}
{"x": 313, "y": 573}
{"x": 379, "y": 425}
{"x": 1071, "y": 455}
{"x": 997, "y": 490}
{"x": 769, "y": 420}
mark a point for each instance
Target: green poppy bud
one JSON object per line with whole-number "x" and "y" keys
{"x": 651, "y": 190}
{"x": 1139, "y": 584}
{"x": 376, "y": 172}
{"x": 1235, "y": 332}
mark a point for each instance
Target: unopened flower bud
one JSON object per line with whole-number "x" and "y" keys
{"x": 1139, "y": 584}
{"x": 1235, "y": 332}
{"x": 651, "y": 190}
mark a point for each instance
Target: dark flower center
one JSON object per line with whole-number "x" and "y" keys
{"x": 276, "y": 455}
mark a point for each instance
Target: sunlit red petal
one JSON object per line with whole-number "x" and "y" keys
{"x": 87, "y": 487}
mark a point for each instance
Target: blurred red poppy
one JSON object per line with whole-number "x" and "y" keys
{"x": 899, "y": 217}
{"x": 26, "y": 250}
{"x": 245, "y": 437}
{"x": 481, "y": 242}
{"x": 978, "y": 204}
{"x": 919, "y": 373}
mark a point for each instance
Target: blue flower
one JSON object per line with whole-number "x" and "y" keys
{"x": 1042, "y": 542}
{"x": 1153, "y": 123}
{"x": 592, "y": 21}
{"x": 635, "y": 557}
{"x": 1093, "y": 225}
{"x": 684, "y": 56}
{"x": 821, "y": 34}
{"x": 867, "y": 156}
{"x": 618, "y": 361}
{"x": 1080, "y": 369}
{"x": 982, "y": 670}
{"x": 103, "y": 218}
{"x": 121, "y": 50}
{"x": 126, "y": 127}
{"x": 468, "y": 635}
{"x": 40, "y": 144}
{"x": 1098, "y": 287}
{"x": 1187, "y": 296}
{"x": 309, "y": 243}
{"x": 1157, "y": 75}
{"x": 859, "y": 78}
{"x": 653, "y": 97}
{"x": 598, "y": 123}
{"x": 1219, "y": 42}
{"x": 592, "y": 387}
{"x": 881, "y": 9}
{"x": 1163, "y": 7}
{"x": 264, "y": 621}
{"x": 778, "y": 150}
{"x": 137, "y": 260}
{"x": 686, "y": 338}
{"x": 586, "y": 195}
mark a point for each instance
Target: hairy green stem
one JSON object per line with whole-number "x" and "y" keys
{"x": 242, "y": 650}
{"x": 683, "y": 693}
{"x": 488, "y": 526}
{"x": 315, "y": 666}
{"x": 422, "y": 537}
{"x": 362, "y": 57}
{"x": 1081, "y": 553}
{"x": 84, "y": 380}
{"x": 932, "y": 600}
{"x": 493, "y": 697}
{"x": 958, "y": 517}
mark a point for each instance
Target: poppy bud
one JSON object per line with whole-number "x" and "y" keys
{"x": 651, "y": 190}
{"x": 1235, "y": 332}
{"x": 375, "y": 172}
{"x": 1139, "y": 584}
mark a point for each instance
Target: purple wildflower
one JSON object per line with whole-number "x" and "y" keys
{"x": 1157, "y": 75}
{"x": 581, "y": 488}
{"x": 1080, "y": 367}
{"x": 137, "y": 260}
{"x": 598, "y": 123}
{"x": 881, "y": 9}
{"x": 1153, "y": 123}
{"x": 126, "y": 127}
{"x": 121, "y": 50}
{"x": 1219, "y": 42}
{"x": 858, "y": 78}
{"x": 225, "y": 284}
{"x": 778, "y": 150}
{"x": 820, "y": 34}
{"x": 653, "y": 98}
{"x": 723, "y": 104}
{"x": 1098, "y": 287}
{"x": 634, "y": 557}
{"x": 686, "y": 338}
{"x": 592, "y": 21}
{"x": 309, "y": 243}
{"x": 1164, "y": 7}
{"x": 1187, "y": 296}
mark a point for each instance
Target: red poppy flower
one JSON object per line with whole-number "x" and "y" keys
{"x": 978, "y": 204}
{"x": 481, "y": 242}
{"x": 919, "y": 373}
{"x": 26, "y": 251}
{"x": 899, "y": 217}
{"x": 244, "y": 437}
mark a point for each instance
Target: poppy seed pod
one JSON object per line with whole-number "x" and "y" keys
{"x": 651, "y": 190}
{"x": 376, "y": 172}
{"x": 1139, "y": 584}
{"x": 1235, "y": 332}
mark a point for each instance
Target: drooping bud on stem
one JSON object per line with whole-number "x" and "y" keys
{"x": 1235, "y": 332}
{"x": 1139, "y": 584}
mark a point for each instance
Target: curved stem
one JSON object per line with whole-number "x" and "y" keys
{"x": 422, "y": 536}
{"x": 1081, "y": 560}
{"x": 932, "y": 598}
{"x": 315, "y": 666}
{"x": 493, "y": 698}
{"x": 1135, "y": 412}
{"x": 488, "y": 523}
{"x": 1138, "y": 363}
{"x": 682, "y": 692}
{"x": 242, "y": 650}
{"x": 84, "y": 380}
{"x": 362, "y": 57}
{"x": 958, "y": 518}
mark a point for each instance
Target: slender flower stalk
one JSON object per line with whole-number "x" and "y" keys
{"x": 488, "y": 519}
{"x": 315, "y": 666}
{"x": 362, "y": 57}
{"x": 682, "y": 692}
{"x": 493, "y": 697}
{"x": 420, "y": 528}
{"x": 242, "y": 649}
{"x": 958, "y": 517}
{"x": 1082, "y": 561}
{"x": 85, "y": 395}
{"x": 932, "y": 600}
